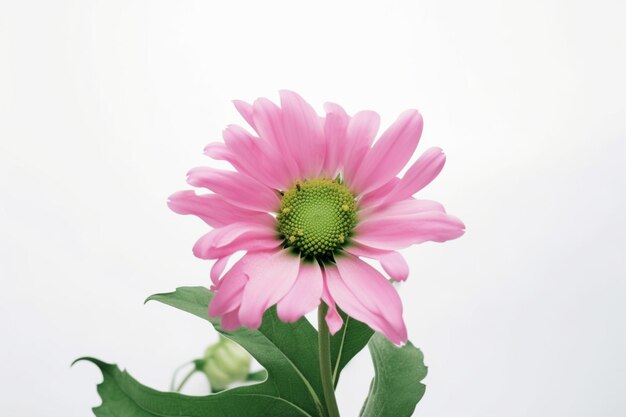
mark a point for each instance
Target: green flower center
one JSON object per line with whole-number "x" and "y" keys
{"x": 316, "y": 217}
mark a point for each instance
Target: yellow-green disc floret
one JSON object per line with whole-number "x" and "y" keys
{"x": 317, "y": 217}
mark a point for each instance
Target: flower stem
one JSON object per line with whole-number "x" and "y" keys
{"x": 184, "y": 381}
{"x": 325, "y": 366}
{"x": 180, "y": 368}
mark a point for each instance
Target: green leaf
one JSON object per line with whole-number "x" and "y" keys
{"x": 288, "y": 352}
{"x": 396, "y": 388}
{"x": 257, "y": 376}
{"x": 123, "y": 396}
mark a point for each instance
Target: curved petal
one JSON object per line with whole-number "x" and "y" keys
{"x": 361, "y": 132}
{"x": 392, "y": 262}
{"x": 400, "y": 232}
{"x": 335, "y": 130}
{"x": 218, "y": 151}
{"x": 333, "y": 319}
{"x": 245, "y": 110}
{"x": 227, "y": 240}
{"x": 214, "y": 209}
{"x": 363, "y": 293}
{"x": 228, "y": 296}
{"x": 269, "y": 281}
{"x": 421, "y": 173}
{"x": 390, "y": 153}
{"x": 217, "y": 269}
{"x": 239, "y": 189}
{"x": 305, "y": 294}
{"x": 395, "y": 265}
{"x": 230, "y": 289}
{"x": 304, "y": 132}
{"x": 230, "y": 321}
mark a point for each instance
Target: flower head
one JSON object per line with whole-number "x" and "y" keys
{"x": 308, "y": 198}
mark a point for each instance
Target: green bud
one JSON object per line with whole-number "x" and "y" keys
{"x": 225, "y": 363}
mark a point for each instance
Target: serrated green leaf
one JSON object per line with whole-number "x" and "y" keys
{"x": 289, "y": 353}
{"x": 396, "y": 388}
{"x": 123, "y": 396}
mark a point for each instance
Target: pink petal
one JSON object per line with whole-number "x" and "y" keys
{"x": 363, "y": 293}
{"x": 230, "y": 321}
{"x": 245, "y": 110}
{"x": 360, "y": 135}
{"x": 304, "y": 132}
{"x": 227, "y": 240}
{"x": 390, "y": 153}
{"x": 333, "y": 319}
{"x": 377, "y": 196}
{"x": 421, "y": 173}
{"x": 392, "y": 262}
{"x": 305, "y": 294}
{"x": 335, "y": 130}
{"x": 228, "y": 297}
{"x": 239, "y": 189}
{"x": 405, "y": 208}
{"x": 218, "y": 151}
{"x": 268, "y": 124}
{"x": 395, "y": 266}
{"x": 230, "y": 289}
{"x": 269, "y": 281}
{"x": 256, "y": 158}
{"x": 217, "y": 269}
{"x": 401, "y": 232}
{"x": 215, "y": 210}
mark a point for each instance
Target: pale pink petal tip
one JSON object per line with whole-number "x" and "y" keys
{"x": 419, "y": 175}
{"x": 217, "y": 150}
{"x": 333, "y": 319}
{"x": 246, "y": 111}
{"x": 395, "y": 265}
{"x": 363, "y": 293}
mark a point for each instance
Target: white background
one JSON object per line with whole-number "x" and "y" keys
{"x": 104, "y": 106}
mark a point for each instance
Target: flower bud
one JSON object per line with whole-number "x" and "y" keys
{"x": 225, "y": 363}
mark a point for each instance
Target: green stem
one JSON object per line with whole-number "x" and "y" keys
{"x": 185, "y": 379}
{"x": 325, "y": 366}
{"x": 180, "y": 368}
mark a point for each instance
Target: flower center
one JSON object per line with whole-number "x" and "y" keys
{"x": 317, "y": 217}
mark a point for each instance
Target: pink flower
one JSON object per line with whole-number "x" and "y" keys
{"x": 309, "y": 197}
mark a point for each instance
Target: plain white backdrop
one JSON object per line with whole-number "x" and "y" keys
{"x": 105, "y": 105}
